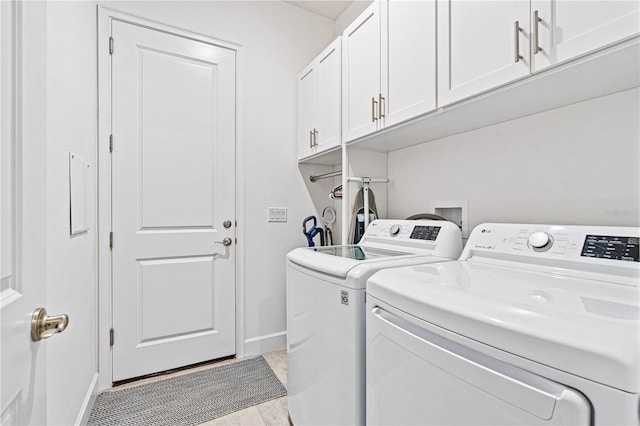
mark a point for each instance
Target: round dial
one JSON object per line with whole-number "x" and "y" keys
{"x": 540, "y": 241}
{"x": 394, "y": 230}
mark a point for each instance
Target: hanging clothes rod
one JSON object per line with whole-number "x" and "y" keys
{"x": 365, "y": 192}
{"x": 325, "y": 175}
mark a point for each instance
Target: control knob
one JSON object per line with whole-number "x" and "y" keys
{"x": 540, "y": 241}
{"x": 394, "y": 230}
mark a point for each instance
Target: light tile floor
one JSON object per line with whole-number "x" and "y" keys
{"x": 272, "y": 413}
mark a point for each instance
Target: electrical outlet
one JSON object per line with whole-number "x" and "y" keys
{"x": 277, "y": 214}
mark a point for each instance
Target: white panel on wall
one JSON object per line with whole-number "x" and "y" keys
{"x": 78, "y": 170}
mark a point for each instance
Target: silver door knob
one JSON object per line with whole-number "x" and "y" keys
{"x": 225, "y": 242}
{"x": 44, "y": 326}
{"x": 226, "y": 224}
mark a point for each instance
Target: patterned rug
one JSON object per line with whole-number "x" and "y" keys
{"x": 190, "y": 399}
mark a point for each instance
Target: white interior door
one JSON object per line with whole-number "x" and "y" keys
{"x": 173, "y": 187}
{"x": 22, "y": 212}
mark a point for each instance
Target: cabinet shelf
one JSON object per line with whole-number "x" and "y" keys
{"x": 330, "y": 157}
{"x": 604, "y": 72}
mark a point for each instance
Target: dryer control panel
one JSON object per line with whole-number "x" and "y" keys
{"x": 576, "y": 243}
{"x": 611, "y": 247}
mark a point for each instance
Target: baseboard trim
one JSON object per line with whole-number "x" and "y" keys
{"x": 89, "y": 400}
{"x": 266, "y": 343}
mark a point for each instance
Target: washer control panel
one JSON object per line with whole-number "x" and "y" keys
{"x": 420, "y": 231}
{"x": 433, "y": 237}
{"x": 405, "y": 230}
{"x": 563, "y": 242}
{"x": 395, "y": 230}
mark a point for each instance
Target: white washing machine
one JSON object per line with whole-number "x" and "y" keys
{"x": 326, "y": 313}
{"x": 534, "y": 324}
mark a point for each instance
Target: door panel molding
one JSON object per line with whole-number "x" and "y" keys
{"x": 105, "y": 18}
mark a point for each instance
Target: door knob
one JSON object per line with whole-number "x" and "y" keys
{"x": 225, "y": 242}
{"x": 44, "y": 326}
{"x": 226, "y": 224}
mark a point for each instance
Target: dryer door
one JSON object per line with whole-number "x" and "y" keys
{"x": 415, "y": 376}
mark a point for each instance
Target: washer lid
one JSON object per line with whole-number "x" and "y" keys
{"x": 586, "y": 327}
{"x": 339, "y": 260}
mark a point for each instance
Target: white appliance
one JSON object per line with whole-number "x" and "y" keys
{"x": 534, "y": 324}
{"x": 326, "y": 313}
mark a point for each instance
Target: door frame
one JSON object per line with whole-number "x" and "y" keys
{"x": 105, "y": 313}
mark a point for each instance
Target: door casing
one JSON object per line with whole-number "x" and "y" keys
{"x": 105, "y": 320}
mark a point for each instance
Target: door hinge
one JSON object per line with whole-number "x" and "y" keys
{"x": 110, "y": 240}
{"x": 110, "y": 143}
{"x": 111, "y": 333}
{"x": 110, "y": 45}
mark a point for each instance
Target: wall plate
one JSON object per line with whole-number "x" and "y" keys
{"x": 277, "y": 214}
{"x": 456, "y": 211}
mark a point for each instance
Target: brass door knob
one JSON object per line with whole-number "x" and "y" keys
{"x": 44, "y": 326}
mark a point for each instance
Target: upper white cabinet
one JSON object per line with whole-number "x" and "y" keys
{"x": 388, "y": 66}
{"x": 319, "y": 94}
{"x": 361, "y": 74}
{"x": 307, "y": 109}
{"x": 485, "y": 44}
{"x": 481, "y": 45}
{"x": 408, "y": 59}
{"x": 564, "y": 29}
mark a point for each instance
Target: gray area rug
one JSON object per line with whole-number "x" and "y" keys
{"x": 192, "y": 398}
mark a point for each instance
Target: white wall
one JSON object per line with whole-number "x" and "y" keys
{"x": 573, "y": 165}
{"x": 350, "y": 14}
{"x": 279, "y": 40}
{"x": 71, "y": 261}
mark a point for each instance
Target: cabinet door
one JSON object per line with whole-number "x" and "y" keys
{"x": 361, "y": 74}
{"x": 408, "y": 59}
{"x": 569, "y": 28}
{"x": 328, "y": 67}
{"x": 307, "y": 110}
{"x": 479, "y": 47}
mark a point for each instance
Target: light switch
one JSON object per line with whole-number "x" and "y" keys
{"x": 277, "y": 214}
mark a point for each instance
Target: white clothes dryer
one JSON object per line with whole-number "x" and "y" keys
{"x": 534, "y": 324}
{"x": 326, "y": 313}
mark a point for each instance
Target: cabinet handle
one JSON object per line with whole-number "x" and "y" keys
{"x": 315, "y": 137}
{"x": 310, "y": 139}
{"x": 373, "y": 109}
{"x": 381, "y": 106}
{"x": 536, "y": 32}
{"x": 516, "y": 31}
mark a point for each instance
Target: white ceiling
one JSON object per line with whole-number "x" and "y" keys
{"x": 328, "y": 8}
